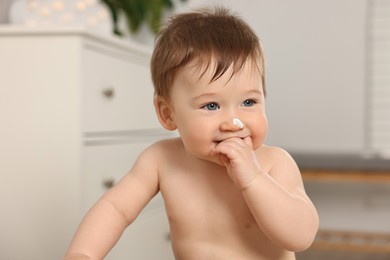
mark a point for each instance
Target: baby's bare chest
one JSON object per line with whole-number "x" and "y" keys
{"x": 207, "y": 203}
{"x": 207, "y": 213}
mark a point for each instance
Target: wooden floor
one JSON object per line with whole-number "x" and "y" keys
{"x": 345, "y": 175}
{"x": 350, "y": 245}
{"x": 340, "y": 255}
{"x": 341, "y": 245}
{"x": 364, "y": 242}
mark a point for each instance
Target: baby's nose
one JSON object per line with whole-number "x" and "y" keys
{"x": 234, "y": 124}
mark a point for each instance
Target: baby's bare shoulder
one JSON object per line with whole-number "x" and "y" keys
{"x": 278, "y": 162}
{"x": 273, "y": 154}
{"x": 165, "y": 145}
{"x": 162, "y": 149}
{"x": 156, "y": 156}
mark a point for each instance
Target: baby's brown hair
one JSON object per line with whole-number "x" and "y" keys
{"x": 206, "y": 36}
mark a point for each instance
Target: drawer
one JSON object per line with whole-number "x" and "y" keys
{"x": 117, "y": 92}
{"x": 104, "y": 165}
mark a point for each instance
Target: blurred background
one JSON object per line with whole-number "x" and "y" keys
{"x": 74, "y": 77}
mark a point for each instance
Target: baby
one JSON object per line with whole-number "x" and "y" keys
{"x": 227, "y": 194}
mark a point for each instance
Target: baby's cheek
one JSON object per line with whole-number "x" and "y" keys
{"x": 257, "y": 141}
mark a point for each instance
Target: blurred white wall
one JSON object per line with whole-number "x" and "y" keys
{"x": 315, "y": 55}
{"x": 316, "y": 69}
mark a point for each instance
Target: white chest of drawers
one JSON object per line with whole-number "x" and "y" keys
{"x": 76, "y": 109}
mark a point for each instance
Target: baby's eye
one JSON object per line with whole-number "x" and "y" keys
{"x": 211, "y": 106}
{"x": 249, "y": 102}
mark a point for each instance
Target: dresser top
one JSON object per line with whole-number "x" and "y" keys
{"x": 123, "y": 43}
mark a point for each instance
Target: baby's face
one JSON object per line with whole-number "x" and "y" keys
{"x": 206, "y": 113}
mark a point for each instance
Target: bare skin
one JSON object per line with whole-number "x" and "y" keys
{"x": 227, "y": 195}
{"x": 211, "y": 219}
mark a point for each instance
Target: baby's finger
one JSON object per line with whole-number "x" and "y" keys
{"x": 224, "y": 159}
{"x": 248, "y": 141}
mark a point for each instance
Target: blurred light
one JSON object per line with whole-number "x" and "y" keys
{"x": 32, "y": 5}
{"x": 58, "y": 5}
{"x": 81, "y": 5}
{"x": 91, "y": 2}
{"x": 45, "y": 11}
{"x": 92, "y": 14}
{"x": 102, "y": 14}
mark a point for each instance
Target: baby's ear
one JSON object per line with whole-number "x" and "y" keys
{"x": 164, "y": 113}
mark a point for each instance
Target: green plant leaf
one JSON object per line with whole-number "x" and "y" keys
{"x": 138, "y": 12}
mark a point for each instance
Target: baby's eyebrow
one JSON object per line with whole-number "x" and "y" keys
{"x": 204, "y": 96}
{"x": 256, "y": 91}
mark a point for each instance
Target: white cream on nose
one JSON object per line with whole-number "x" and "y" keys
{"x": 238, "y": 123}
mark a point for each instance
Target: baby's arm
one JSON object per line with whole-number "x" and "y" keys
{"x": 105, "y": 222}
{"x": 276, "y": 197}
{"x": 278, "y": 202}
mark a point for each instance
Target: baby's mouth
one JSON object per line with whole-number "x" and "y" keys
{"x": 217, "y": 142}
{"x": 220, "y": 141}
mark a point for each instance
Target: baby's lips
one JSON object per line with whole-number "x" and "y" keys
{"x": 247, "y": 140}
{"x": 227, "y": 137}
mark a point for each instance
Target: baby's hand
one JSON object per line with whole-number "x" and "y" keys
{"x": 238, "y": 157}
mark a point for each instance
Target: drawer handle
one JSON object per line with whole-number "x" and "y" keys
{"x": 109, "y": 92}
{"x": 109, "y": 183}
